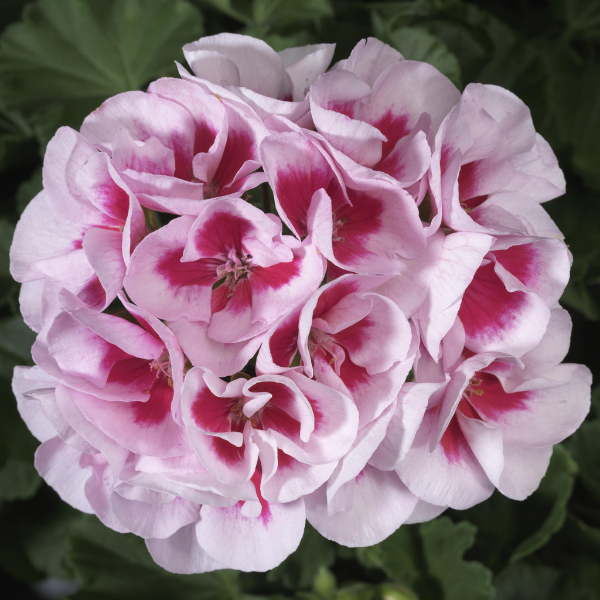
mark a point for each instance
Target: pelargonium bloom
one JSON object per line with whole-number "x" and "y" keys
{"x": 209, "y": 383}
{"x": 493, "y": 420}
{"x": 348, "y": 338}
{"x": 380, "y": 111}
{"x": 362, "y": 228}
{"x": 126, "y": 378}
{"x": 190, "y": 520}
{"x": 177, "y": 145}
{"x": 501, "y": 288}
{"x": 78, "y": 233}
{"x": 290, "y": 429}
{"x": 229, "y": 268}
{"x": 247, "y": 71}
{"x": 490, "y": 168}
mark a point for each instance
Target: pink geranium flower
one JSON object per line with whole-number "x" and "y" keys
{"x": 231, "y": 269}
{"x": 348, "y": 338}
{"x": 490, "y": 168}
{"x": 297, "y": 428}
{"x": 177, "y": 145}
{"x": 209, "y": 383}
{"x": 493, "y": 419}
{"x": 362, "y": 227}
{"x": 247, "y": 72}
{"x": 78, "y": 233}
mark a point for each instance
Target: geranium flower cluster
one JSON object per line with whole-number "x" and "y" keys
{"x": 385, "y": 344}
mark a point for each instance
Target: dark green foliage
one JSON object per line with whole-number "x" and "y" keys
{"x": 67, "y": 56}
{"x": 114, "y": 565}
{"x": 60, "y": 59}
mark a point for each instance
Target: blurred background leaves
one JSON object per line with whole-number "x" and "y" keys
{"x": 60, "y": 59}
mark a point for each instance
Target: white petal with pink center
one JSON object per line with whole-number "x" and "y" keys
{"x": 304, "y": 421}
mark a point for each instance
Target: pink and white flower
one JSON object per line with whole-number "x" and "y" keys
{"x": 493, "y": 421}
{"x": 348, "y": 338}
{"x": 246, "y": 71}
{"x": 177, "y": 145}
{"x": 78, "y": 233}
{"x": 363, "y": 227}
{"x": 380, "y": 114}
{"x": 136, "y": 421}
{"x": 229, "y": 268}
{"x": 289, "y": 428}
{"x": 490, "y": 168}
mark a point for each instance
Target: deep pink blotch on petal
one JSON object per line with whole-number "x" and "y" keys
{"x": 274, "y": 277}
{"x": 158, "y": 406}
{"x": 331, "y": 297}
{"x": 220, "y": 233}
{"x": 182, "y": 274}
{"x": 265, "y": 514}
{"x": 344, "y": 108}
{"x": 210, "y": 412}
{"x": 523, "y": 261}
{"x": 228, "y": 453}
{"x": 453, "y": 443}
{"x": 284, "y": 342}
{"x": 240, "y": 300}
{"x": 274, "y": 417}
{"x": 352, "y": 375}
{"x": 240, "y": 148}
{"x": 92, "y": 293}
{"x": 494, "y": 401}
{"x": 394, "y": 127}
{"x": 488, "y": 308}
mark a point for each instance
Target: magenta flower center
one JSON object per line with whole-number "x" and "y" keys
{"x": 238, "y": 418}
{"x": 473, "y": 388}
{"x": 162, "y": 366}
{"x": 337, "y": 225}
{"x": 238, "y": 266}
{"x": 319, "y": 340}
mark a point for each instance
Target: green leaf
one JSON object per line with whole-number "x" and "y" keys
{"x": 524, "y": 581}
{"x": 13, "y": 557}
{"x": 586, "y": 150}
{"x": 527, "y": 582}
{"x": 18, "y": 480}
{"x": 585, "y": 448}
{"x": 16, "y": 340}
{"x": 301, "y": 567}
{"x": 595, "y": 402}
{"x": 551, "y": 497}
{"x": 29, "y": 189}
{"x": 7, "y": 231}
{"x": 15, "y": 137}
{"x": 118, "y": 566}
{"x": 396, "y": 556}
{"x": 581, "y": 17}
{"x": 577, "y": 295}
{"x": 11, "y": 10}
{"x": 282, "y": 14}
{"x": 240, "y": 10}
{"x": 390, "y": 591}
{"x": 33, "y": 536}
{"x": 444, "y": 544}
{"x": 571, "y": 111}
{"x": 474, "y": 36}
{"x": 68, "y": 56}
{"x": 510, "y": 530}
{"x": 415, "y": 43}
{"x": 324, "y": 583}
{"x": 47, "y": 545}
{"x": 577, "y": 214}
{"x": 18, "y": 477}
